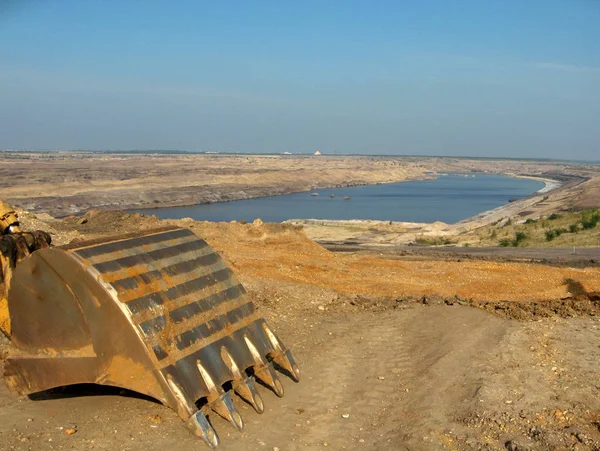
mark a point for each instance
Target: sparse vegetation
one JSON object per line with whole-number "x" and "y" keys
{"x": 519, "y": 238}
{"x": 434, "y": 241}
{"x": 575, "y": 228}
{"x": 505, "y": 242}
{"x": 516, "y": 241}
{"x": 590, "y": 219}
{"x": 560, "y": 231}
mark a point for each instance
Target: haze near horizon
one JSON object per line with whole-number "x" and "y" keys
{"x": 471, "y": 78}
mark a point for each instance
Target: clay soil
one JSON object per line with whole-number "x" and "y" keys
{"x": 396, "y": 353}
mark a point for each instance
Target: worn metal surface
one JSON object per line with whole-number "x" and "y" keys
{"x": 9, "y": 220}
{"x": 14, "y": 248}
{"x": 159, "y": 313}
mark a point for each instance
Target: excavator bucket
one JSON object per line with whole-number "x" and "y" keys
{"x": 159, "y": 313}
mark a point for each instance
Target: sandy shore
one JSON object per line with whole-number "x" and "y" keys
{"x": 549, "y": 184}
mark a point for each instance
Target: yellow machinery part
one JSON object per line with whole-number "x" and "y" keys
{"x": 159, "y": 313}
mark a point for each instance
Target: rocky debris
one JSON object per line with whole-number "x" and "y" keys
{"x": 30, "y": 221}
{"x": 432, "y": 300}
{"x": 586, "y": 305}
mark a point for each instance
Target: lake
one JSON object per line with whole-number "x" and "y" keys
{"x": 449, "y": 198}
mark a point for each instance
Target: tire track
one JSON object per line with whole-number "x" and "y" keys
{"x": 395, "y": 375}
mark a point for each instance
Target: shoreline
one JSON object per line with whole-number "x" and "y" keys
{"x": 549, "y": 185}
{"x": 71, "y": 184}
{"x": 283, "y": 193}
{"x": 553, "y": 197}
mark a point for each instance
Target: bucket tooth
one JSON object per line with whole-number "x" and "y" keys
{"x": 268, "y": 376}
{"x": 157, "y": 312}
{"x": 286, "y": 361}
{"x": 224, "y": 407}
{"x": 200, "y": 427}
{"x": 246, "y": 389}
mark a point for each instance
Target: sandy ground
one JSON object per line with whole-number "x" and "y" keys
{"x": 394, "y": 355}
{"x": 415, "y": 378}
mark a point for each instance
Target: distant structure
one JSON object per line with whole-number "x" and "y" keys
{"x": 317, "y": 153}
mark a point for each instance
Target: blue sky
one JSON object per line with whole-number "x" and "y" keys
{"x": 438, "y": 77}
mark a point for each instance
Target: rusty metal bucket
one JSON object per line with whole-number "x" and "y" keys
{"x": 159, "y": 313}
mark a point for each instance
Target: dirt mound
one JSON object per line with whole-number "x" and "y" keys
{"x": 96, "y": 223}
{"x": 582, "y": 304}
{"x": 30, "y": 221}
{"x": 280, "y": 258}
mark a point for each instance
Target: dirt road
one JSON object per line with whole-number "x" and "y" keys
{"x": 564, "y": 256}
{"x": 418, "y": 377}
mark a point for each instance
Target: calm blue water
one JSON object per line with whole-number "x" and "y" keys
{"x": 449, "y": 199}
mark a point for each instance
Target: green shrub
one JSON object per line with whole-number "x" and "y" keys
{"x": 505, "y": 242}
{"x": 574, "y": 228}
{"x": 590, "y": 219}
{"x": 559, "y": 232}
{"x": 519, "y": 238}
{"x": 553, "y": 216}
{"x": 531, "y": 221}
{"x": 434, "y": 241}
{"x": 493, "y": 235}
{"x": 550, "y": 235}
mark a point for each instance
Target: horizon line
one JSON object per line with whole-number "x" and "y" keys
{"x": 288, "y": 154}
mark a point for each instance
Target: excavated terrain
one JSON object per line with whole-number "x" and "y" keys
{"x": 70, "y": 182}
{"x": 395, "y": 353}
